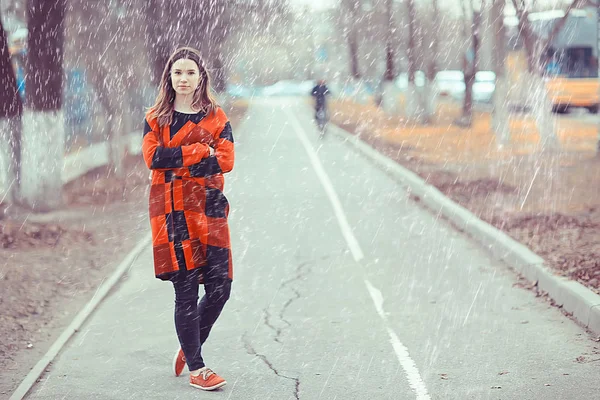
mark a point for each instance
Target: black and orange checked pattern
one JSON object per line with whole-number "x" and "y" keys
{"x": 188, "y": 210}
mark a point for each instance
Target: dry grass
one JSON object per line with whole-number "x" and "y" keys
{"x": 444, "y": 142}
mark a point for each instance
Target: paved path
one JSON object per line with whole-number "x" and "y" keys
{"x": 344, "y": 289}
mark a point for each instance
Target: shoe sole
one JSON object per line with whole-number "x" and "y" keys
{"x": 175, "y": 363}
{"x": 218, "y": 385}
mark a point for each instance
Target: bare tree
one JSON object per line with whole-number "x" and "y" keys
{"x": 43, "y": 127}
{"x": 471, "y": 33}
{"x": 390, "y": 70}
{"x": 153, "y": 11}
{"x": 388, "y": 98}
{"x": 351, "y": 11}
{"x": 413, "y": 98}
{"x": 111, "y": 54}
{"x": 11, "y": 109}
{"x": 500, "y": 114}
{"x": 431, "y": 63}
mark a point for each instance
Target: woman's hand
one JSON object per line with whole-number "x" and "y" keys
{"x": 211, "y": 151}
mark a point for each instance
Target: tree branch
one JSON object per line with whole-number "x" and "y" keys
{"x": 561, "y": 22}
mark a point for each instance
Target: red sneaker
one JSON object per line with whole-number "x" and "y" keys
{"x": 207, "y": 380}
{"x": 178, "y": 362}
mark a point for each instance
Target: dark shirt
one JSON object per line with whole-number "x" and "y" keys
{"x": 319, "y": 92}
{"x": 180, "y": 119}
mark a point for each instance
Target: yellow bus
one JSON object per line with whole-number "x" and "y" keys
{"x": 571, "y": 62}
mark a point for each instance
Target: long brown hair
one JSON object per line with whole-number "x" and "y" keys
{"x": 203, "y": 98}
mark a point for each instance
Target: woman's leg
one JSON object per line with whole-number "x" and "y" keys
{"x": 211, "y": 305}
{"x": 217, "y": 287}
{"x": 186, "y": 317}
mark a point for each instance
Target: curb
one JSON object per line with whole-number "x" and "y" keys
{"x": 96, "y": 155}
{"x": 572, "y": 296}
{"x": 78, "y": 321}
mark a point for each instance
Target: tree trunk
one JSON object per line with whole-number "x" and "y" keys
{"x": 500, "y": 114}
{"x": 43, "y": 141}
{"x": 390, "y": 73}
{"x": 470, "y": 70}
{"x": 389, "y": 97}
{"x": 429, "y": 91}
{"x": 412, "y": 101}
{"x": 9, "y": 176}
{"x": 538, "y": 100}
{"x": 352, "y": 37}
{"x": 541, "y": 109}
{"x": 120, "y": 125}
{"x": 11, "y": 109}
{"x": 353, "y": 46}
{"x": 467, "y": 112}
{"x": 388, "y": 92}
{"x": 158, "y": 52}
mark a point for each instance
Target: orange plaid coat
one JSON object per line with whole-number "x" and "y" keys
{"x": 188, "y": 210}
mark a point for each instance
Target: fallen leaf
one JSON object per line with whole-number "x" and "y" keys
{"x": 496, "y": 387}
{"x": 503, "y": 373}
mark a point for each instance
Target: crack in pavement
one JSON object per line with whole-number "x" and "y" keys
{"x": 268, "y": 324}
{"x": 301, "y": 272}
{"x": 286, "y": 305}
{"x": 250, "y": 350}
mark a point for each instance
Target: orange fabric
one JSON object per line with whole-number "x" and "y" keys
{"x": 187, "y": 208}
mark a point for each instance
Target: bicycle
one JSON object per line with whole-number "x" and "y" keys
{"x": 321, "y": 118}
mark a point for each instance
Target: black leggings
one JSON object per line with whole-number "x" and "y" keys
{"x": 193, "y": 320}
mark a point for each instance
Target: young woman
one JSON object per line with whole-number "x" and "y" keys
{"x": 188, "y": 145}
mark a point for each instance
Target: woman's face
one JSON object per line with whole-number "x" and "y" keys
{"x": 185, "y": 76}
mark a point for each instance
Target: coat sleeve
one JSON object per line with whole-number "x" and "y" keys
{"x": 223, "y": 159}
{"x": 158, "y": 157}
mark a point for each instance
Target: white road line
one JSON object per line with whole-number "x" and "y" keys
{"x": 412, "y": 372}
{"x": 408, "y": 365}
{"x": 333, "y": 198}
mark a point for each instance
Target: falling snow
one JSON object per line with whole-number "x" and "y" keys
{"x": 433, "y": 234}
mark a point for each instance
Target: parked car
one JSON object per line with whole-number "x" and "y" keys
{"x": 484, "y": 86}
{"x": 402, "y": 80}
{"x": 451, "y": 83}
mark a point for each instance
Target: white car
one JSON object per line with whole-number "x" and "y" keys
{"x": 402, "y": 80}
{"x": 484, "y": 86}
{"x": 452, "y": 84}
